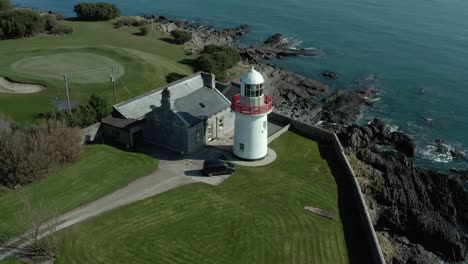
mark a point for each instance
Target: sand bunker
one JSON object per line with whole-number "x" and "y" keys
{"x": 10, "y": 86}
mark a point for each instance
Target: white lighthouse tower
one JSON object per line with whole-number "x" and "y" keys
{"x": 251, "y": 126}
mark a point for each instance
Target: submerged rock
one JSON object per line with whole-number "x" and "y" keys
{"x": 329, "y": 75}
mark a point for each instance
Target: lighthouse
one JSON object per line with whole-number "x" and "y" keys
{"x": 251, "y": 107}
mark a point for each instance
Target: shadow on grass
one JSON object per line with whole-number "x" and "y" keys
{"x": 355, "y": 239}
{"x": 174, "y": 76}
{"x": 79, "y": 19}
{"x": 170, "y": 41}
{"x": 188, "y": 62}
{"x": 139, "y": 34}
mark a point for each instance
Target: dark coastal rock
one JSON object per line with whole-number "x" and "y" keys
{"x": 329, "y": 75}
{"x": 274, "y": 47}
{"x": 276, "y": 40}
{"x": 402, "y": 143}
{"x": 457, "y": 154}
{"x": 344, "y": 107}
{"x": 427, "y": 207}
{"x": 444, "y": 148}
{"x": 407, "y": 252}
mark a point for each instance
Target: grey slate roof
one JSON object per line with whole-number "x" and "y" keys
{"x": 118, "y": 122}
{"x": 139, "y": 106}
{"x": 231, "y": 90}
{"x": 186, "y": 96}
{"x": 199, "y": 105}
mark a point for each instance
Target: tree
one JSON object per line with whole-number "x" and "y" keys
{"x": 18, "y": 23}
{"x": 82, "y": 116}
{"x": 28, "y": 154}
{"x": 144, "y": 31}
{"x": 5, "y": 5}
{"x": 100, "y": 106}
{"x": 217, "y": 60}
{"x": 39, "y": 220}
{"x": 97, "y": 11}
{"x": 181, "y": 36}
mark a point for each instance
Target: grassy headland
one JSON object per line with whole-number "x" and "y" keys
{"x": 256, "y": 216}
{"x": 145, "y": 62}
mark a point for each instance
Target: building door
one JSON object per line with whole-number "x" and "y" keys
{"x": 210, "y": 133}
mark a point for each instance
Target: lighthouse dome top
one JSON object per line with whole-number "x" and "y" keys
{"x": 252, "y": 77}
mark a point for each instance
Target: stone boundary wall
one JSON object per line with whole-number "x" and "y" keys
{"x": 278, "y": 133}
{"x": 331, "y": 139}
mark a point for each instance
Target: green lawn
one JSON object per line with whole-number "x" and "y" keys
{"x": 143, "y": 61}
{"x": 256, "y": 216}
{"x": 11, "y": 261}
{"x": 101, "y": 170}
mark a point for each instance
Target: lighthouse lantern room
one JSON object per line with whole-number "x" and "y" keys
{"x": 251, "y": 126}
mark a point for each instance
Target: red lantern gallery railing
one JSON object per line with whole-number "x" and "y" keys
{"x": 249, "y": 109}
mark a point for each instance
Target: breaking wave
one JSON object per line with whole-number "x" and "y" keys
{"x": 430, "y": 152}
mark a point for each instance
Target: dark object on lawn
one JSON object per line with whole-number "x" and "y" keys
{"x": 320, "y": 212}
{"x": 217, "y": 167}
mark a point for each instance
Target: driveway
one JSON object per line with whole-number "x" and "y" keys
{"x": 173, "y": 172}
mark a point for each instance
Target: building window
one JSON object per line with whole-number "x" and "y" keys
{"x": 115, "y": 132}
{"x": 221, "y": 123}
{"x": 241, "y": 147}
{"x": 156, "y": 118}
{"x": 198, "y": 137}
{"x": 176, "y": 123}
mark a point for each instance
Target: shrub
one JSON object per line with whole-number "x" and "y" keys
{"x": 217, "y": 60}
{"x": 231, "y": 54}
{"x": 61, "y": 30}
{"x": 130, "y": 21}
{"x": 5, "y": 5}
{"x": 82, "y": 116}
{"x": 97, "y": 11}
{"x": 100, "y": 107}
{"x": 144, "y": 31}
{"x": 181, "y": 36}
{"x": 31, "y": 153}
{"x": 18, "y": 23}
{"x": 50, "y": 22}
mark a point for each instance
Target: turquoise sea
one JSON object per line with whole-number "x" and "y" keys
{"x": 418, "y": 49}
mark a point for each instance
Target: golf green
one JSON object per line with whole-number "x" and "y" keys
{"x": 81, "y": 67}
{"x": 141, "y": 63}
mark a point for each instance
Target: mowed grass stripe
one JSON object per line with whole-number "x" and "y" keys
{"x": 256, "y": 216}
{"x": 101, "y": 170}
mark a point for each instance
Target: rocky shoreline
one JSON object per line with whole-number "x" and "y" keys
{"x": 422, "y": 214}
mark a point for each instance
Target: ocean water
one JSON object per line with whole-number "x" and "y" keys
{"x": 418, "y": 50}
